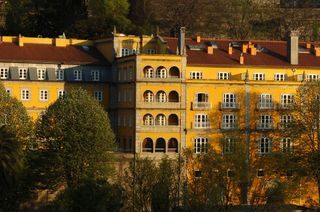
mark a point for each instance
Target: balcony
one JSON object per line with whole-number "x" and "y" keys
{"x": 160, "y": 105}
{"x": 229, "y": 105}
{"x": 201, "y": 125}
{"x": 265, "y": 106}
{"x": 160, "y": 128}
{"x": 201, "y": 105}
{"x": 285, "y": 106}
{"x": 265, "y": 126}
{"x": 229, "y": 126}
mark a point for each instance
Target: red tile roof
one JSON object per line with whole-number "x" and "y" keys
{"x": 45, "y": 53}
{"x": 275, "y": 56}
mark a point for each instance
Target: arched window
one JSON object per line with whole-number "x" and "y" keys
{"x": 160, "y": 145}
{"x": 173, "y": 96}
{"x": 173, "y": 120}
{"x": 161, "y": 120}
{"x": 174, "y": 72}
{"x": 173, "y": 145}
{"x": 161, "y": 96}
{"x": 148, "y": 120}
{"x": 147, "y": 145}
{"x": 161, "y": 72}
{"x": 148, "y": 72}
{"x": 148, "y": 96}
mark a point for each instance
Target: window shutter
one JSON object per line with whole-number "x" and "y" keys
{"x": 32, "y": 73}
{"x": 51, "y": 74}
{"x": 14, "y": 72}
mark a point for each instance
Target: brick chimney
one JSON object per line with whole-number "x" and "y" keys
{"x": 181, "y": 41}
{"x": 293, "y": 47}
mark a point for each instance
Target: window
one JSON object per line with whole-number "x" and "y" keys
{"x": 148, "y": 72}
{"x": 161, "y": 96}
{"x": 59, "y": 74}
{"x": 201, "y": 121}
{"x": 4, "y": 73}
{"x": 229, "y": 145}
{"x": 25, "y": 94}
{"x": 8, "y": 91}
{"x": 264, "y": 146}
{"x": 286, "y": 101}
{"x": 161, "y": 120}
{"x": 258, "y": 76}
{"x": 223, "y": 76}
{"x": 135, "y": 51}
{"x": 148, "y": 96}
{"x": 265, "y": 122}
{"x": 77, "y": 75}
{"x": 151, "y": 51}
{"x": 41, "y": 73}
{"x": 286, "y": 145}
{"x": 125, "y": 52}
{"x": 23, "y": 73}
{"x": 43, "y": 95}
{"x": 229, "y": 121}
{"x": 229, "y": 100}
{"x": 98, "y": 96}
{"x": 260, "y": 173}
{"x": 200, "y": 145}
{"x": 279, "y": 77}
{"x": 201, "y": 101}
{"x": 161, "y": 72}
{"x": 61, "y": 93}
{"x": 285, "y": 120}
{"x": 312, "y": 77}
{"x": 265, "y": 101}
{"x": 148, "y": 120}
{"x": 195, "y": 75}
{"x": 95, "y": 75}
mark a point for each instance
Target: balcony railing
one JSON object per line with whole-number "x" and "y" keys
{"x": 230, "y": 105}
{"x": 201, "y": 125}
{"x": 283, "y": 125}
{"x": 265, "y": 105}
{"x": 265, "y": 126}
{"x": 285, "y": 106}
{"x": 229, "y": 126}
{"x": 201, "y": 105}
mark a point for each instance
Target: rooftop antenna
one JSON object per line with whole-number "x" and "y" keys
{"x": 114, "y": 30}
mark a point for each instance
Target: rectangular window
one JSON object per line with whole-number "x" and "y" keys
{"x": 286, "y": 145}
{"x": 229, "y": 121}
{"x": 228, "y": 145}
{"x": 59, "y": 74}
{"x": 95, "y": 75}
{"x": 285, "y": 120}
{"x": 43, "y": 95}
{"x": 125, "y": 52}
{"x": 4, "y": 73}
{"x": 223, "y": 76}
{"x": 61, "y": 93}
{"x": 77, "y": 75}
{"x": 200, "y": 145}
{"x": 312, "y": 77}
{"x": 264, "y": 146}
{"x": 151, "y": 51}
{"x": 265, "y": 101}
{"x": 195, "y": 75}
{"x": 23, "y": 73}
{"x": 201, "y": 121}
{"x": 98, "y": 96}
{"x": 279, "y": 77}
{"x": 8, "y": 91}
{"x": 265, "y": 122}
{"x": 286, "y": 101}
{"x": 201, "y": 101}
{"x": 258, "y": 76}
{"x": 41, "y": 73}
{"x": 229, "y": 100}
{"x": 25, "y": 94}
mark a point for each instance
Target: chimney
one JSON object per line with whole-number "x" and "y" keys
{"x": 181, "y": 41}
{"x": 198, "y": 39}
{"x": 20, "y": 40}
{"x": 244, "y": 47}
{"x": 253, "y": 50}
{"x": 293, "y": 47}
{"x": 241, "y": 59}
{"x": 308, "y": 45}
{"x": 316, "y": 51}
{"x": 229, "y": 49}
{"x": 210, "y": 50}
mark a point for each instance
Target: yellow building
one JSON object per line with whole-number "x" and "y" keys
{"x": 166, "y": 94}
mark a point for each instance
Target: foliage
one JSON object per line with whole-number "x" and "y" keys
{"x": 75, "y": 132}
{"x": 89, "y": 196}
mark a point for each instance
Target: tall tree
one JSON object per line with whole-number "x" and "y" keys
{"x": 76, "y": 131}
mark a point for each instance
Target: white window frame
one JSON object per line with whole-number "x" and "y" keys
{"x": 61, "y": 93}
{"x": 312, "y": 77}
{"x": 229, "y": 121}
{"x": 201, "y": 100}
{"x": 201, "y": 121}
{"x": 286, "y": 144}
{"x": 125, "y": 52}
{"x": 280, "y": 77}
{"x": 196, "y": 75}
{"x": 161, "y": 120}
{"x": 41, "y": 73}
{"x": 265, "y": 121}
{"x": 43, "y": 95}
{"x": 23, "y": 73}
{"x": 264, "y": 145}
{"x": 4, "y": 73}
{"x": 25, "y": 94}
{"x": 259, "y": 76}
{"x": 161, "y": 73}
{"x": 200, "y": 145}
{"x": 149, "y": 97}
{"x": 95, "y": 75}
{"x": 149, "y": 73}
{"x": 265, "y": 101}
{"x": 229, "y": 145}
{"x": 60, "y": 74}
{"x": 9, "y": 91}
{"x": 148, "y": 120}
{"x": 224, "y": 76}
{"x": 77, "y": 75}
{"x": 98, "y": 95}
{"x": 161, "y": 96}
{"x": 286, "y": 100}
{"x": 285, "y": 120}
{"x": 151, "y": 51}
{"x": 229, "y": 100}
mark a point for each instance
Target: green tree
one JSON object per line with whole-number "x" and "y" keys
{"x": 76, "y": 132}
